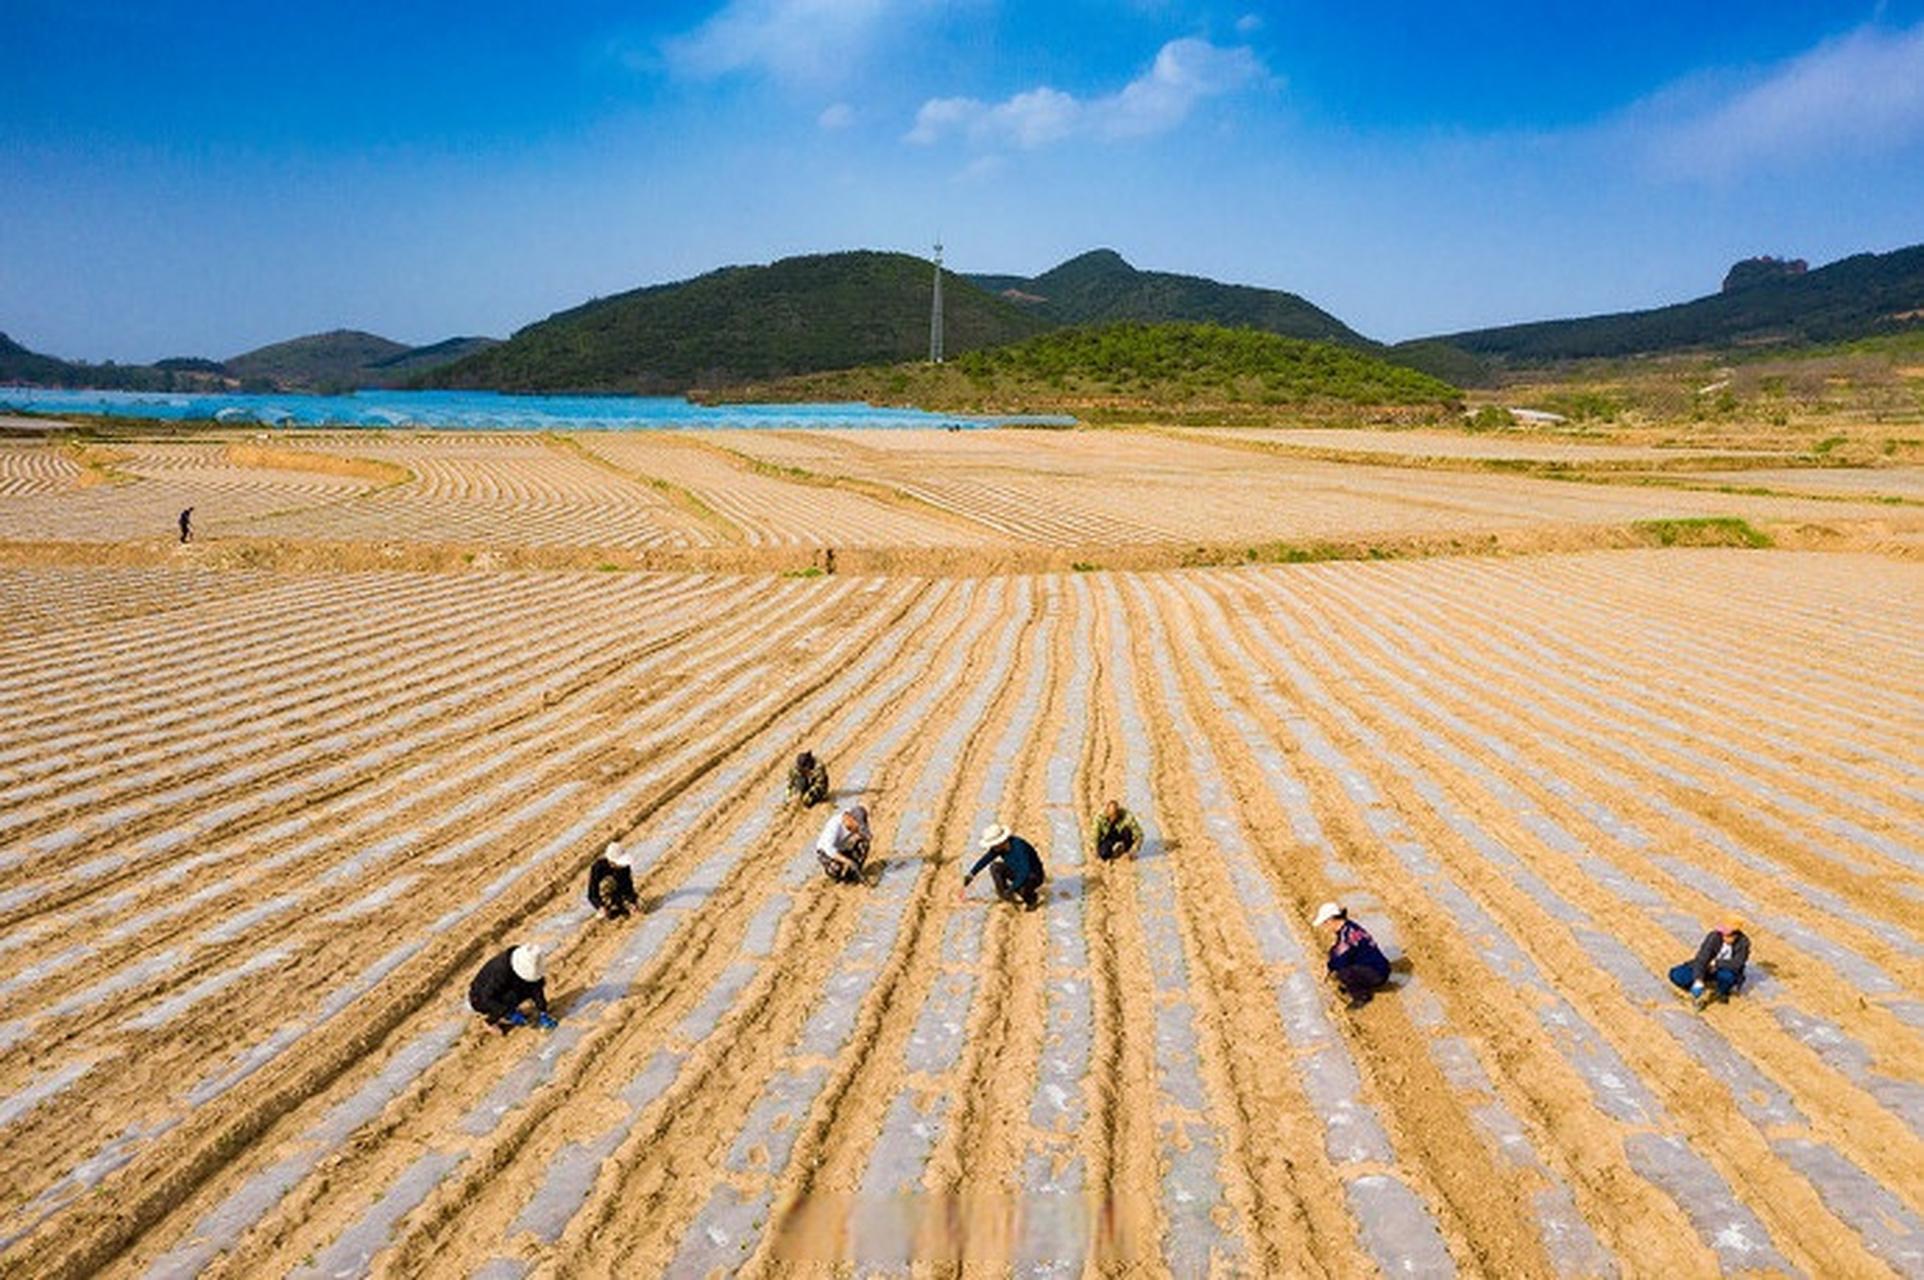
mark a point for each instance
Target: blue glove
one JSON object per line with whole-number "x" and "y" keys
{"x": 1696, "y": 988}
{"x": 516, "y": 1018}
{"x": 544, "y": 1021}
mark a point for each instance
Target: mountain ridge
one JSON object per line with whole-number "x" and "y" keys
{"x": 336, "y": 360}
{"x": 1100, "y": 286}
{"x": 1859, "y": 296}
{"x": 796, "y": 315}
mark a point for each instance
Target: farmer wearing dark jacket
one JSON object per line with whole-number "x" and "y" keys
{"x": 807, "y": 781}
{"x": 505, "y": 983}
{"x": 1355, "y": 961}
{"x": 1117, "y": 832}
{"x": 1719, "y": 963}
{"x": 611, "y": 882}
{"x": 1013, "y": 864}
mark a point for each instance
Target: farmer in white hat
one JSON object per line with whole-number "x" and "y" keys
{"x": 1013, "y": 864}
{"x": 1355, "y": 961}
{"x": 516, "y": 977}
{"x": 611, "y": 882}
{"x": 842, "y": 848}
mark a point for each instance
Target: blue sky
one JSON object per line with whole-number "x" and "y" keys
{"x": 203, "y": 178}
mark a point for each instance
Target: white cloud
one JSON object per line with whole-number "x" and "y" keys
{"x": 1034, "y": 118}
{"x": 1861, "y": 93}
{"x": 1249, "y": 24}
{"x": 1183, "y": 74}
{"x": 808, "y": 41}
{"x": 939, "y": 115}
{"x": 836, "y": 115}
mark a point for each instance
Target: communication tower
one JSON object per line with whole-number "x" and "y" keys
{"x": 935, "y": 311}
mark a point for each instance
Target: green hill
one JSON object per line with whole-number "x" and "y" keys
{"x": 1099, "y": 287}
{"x": 17, "y": 364}
{"x": 1127, "y": 365}
{"x": 1856, "y": 297}
{"x": 346, "y": 360}
{"x": 1202, "y": 362}
{"x": 396, "y": 370}
{"x": 336, "y": 360}
{"x": 798, "y": 315}
{"x": 1453, "y": 365}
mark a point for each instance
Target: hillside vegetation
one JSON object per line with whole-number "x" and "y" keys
{"x": 1128, "y": 364}
{"x": 333, "y": 360}
{"x": 396, "y": 370}
{"x": 798, "y": 315}
{"x": 341, "y": 360}
{"x": 22, "y": 366}
{"x": 1100, "y": 287}
{"x": 345, "y": 360}
{"x": 1856, "y": 297}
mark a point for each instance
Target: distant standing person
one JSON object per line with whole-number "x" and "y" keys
{"x": 611, "y": 882}
{"x": 1013, "y": 864}
{"x": 807, "y": 781}
{"x": 516, "y": 977}
{"x": 1719, "y": 963}
{"x": 187, "y": 525}
{"x": 1355, "y": 961}
{"x": 1117, "y": 833}
{"x": 843, "y": 846}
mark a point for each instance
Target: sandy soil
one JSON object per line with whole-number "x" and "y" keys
{"x": 257, "y": 829}
{"x": 1856, "y": 482}
{"x": 1116, "y": 488}
{"x": 675, "y": 499}
{"x": 1455, "y": 444}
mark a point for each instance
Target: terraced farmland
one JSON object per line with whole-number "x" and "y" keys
{"x": 1110, "y": 489}
{"x": 901, "y": 500}
{"x": 257, "y": 829}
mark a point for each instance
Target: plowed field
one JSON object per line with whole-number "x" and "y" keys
{"x": 258, "y": 828}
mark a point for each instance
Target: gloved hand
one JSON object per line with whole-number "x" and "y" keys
{"x": 1696, "y": 988}
{"x": 516, "y": 1018}
{"x": 545, "y": 1021}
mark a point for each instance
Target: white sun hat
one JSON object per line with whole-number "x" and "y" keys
{"x": 617, "y": 856}
{"x": 1327, "y": 912}
{"x": 992, "y": 835}
{"x": 528, "y": 962}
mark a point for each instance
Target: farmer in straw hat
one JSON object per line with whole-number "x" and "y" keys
{"x": 842, "y": 848}
{"x": 1719, "y": 963}
{"x": 1013, "y": 864}
{"x": 516, "y": 977}
{"x": 1355, "y": 961}
{"x": 611, "y": 882}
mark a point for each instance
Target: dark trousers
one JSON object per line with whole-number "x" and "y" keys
{"x": 1027, "y": 893}
{"x": 1358, "y": 980}
{"x": 847, "y": 872}
{"x": 1723, "y": 979}
{"x": 613, "y": 893}
{"x": 1111, "y": 847}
